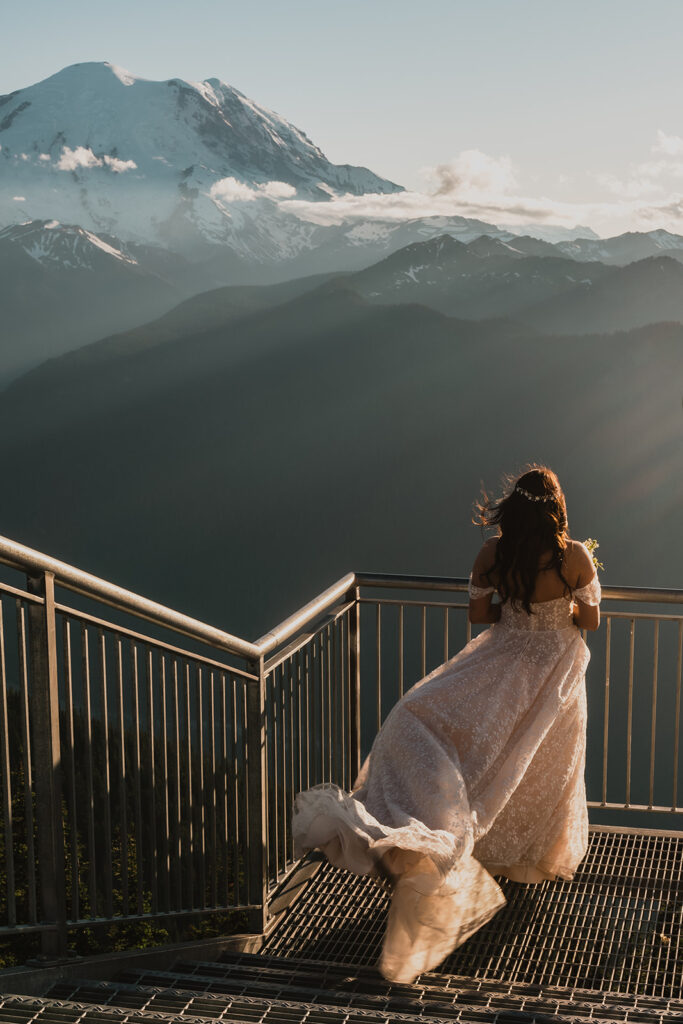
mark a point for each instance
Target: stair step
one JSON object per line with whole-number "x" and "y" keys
{"x": 435, "y": 995}
{"x": 166, "y": 1003}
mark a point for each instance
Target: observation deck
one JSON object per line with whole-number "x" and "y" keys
{"x": 148, "y": 764}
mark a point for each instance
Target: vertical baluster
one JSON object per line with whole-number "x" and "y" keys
{"x": 423, "y": 641}
{"x": 153, "y": 864}
{"x": 277, "y": 739}
{"x": 445, "y": 633}
{"x": 85, "y": 654}
{"x": 328, "y": 694}
{"x": 139, "y": 862}
{"x": 165, "y": 839}
{"x": 256, "y": 807}
{"x": 238, "y": 687}
{"x": 225, "y": 777}
{"x": 378, "y": 663}
{"x": 354, "y": 684}
{"x": 605, "y": 735}
{"x": 47, "y": 760}
{"x": 27, "y": 761}
{"x": 5, "y": 774}
{"x": 653, "y": 710}
{"x": 629, "y": 725}
{"x": 310, "y": 649}
{"x": 320, "y": 688}
{"x": 401, "y": 610}
{"x": 106, "y": 805}
{"x": 202, "y": 788}
{"x": 178, "y": 823}
{"x": 677, "y": 713}
{"x": 189, "y": 832}
{"x": 300, "y": 737}
{"x": 70, "y": 765}
{"x": 123, "y": 788}
{"x": 213, "y": 846}
{"x": 282, "y": 701}
{"x": 271, "y": 827}
{"x": 342, "y": 690}
{"x": 290, "y": 729}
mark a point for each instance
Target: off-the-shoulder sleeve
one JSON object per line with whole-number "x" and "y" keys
{"x": 476, "y": 592}
{"x": 591, "y": 593}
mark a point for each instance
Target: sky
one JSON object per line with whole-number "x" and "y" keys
{"x": 514, "y": 111}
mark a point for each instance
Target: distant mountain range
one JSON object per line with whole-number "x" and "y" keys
{"x": 122, "y": 197}
{"x": 64, "y": 286}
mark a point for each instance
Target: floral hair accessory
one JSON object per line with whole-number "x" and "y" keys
{"x": 534, "y": 497}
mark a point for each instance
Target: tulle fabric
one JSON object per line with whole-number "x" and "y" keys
{"x": 477, "y": 771}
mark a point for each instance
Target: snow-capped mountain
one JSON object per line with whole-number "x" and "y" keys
{"x": 626, "y": 248}
{"x": 489, "y": 277}
{"x": 553, "y": 232}
{"x": 64, "y": 245}
{"x": 183, "y": 164}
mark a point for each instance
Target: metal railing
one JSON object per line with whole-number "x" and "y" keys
{"x": 148, "y": 761}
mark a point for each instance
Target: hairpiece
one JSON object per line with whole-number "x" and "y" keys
{"x": 534, "y": 497}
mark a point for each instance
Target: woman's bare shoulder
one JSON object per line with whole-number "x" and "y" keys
{"x": 579, "y": 563}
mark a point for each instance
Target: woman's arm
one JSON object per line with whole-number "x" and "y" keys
{"x": 586, "y": 616}
{"x": 482, "y": 610}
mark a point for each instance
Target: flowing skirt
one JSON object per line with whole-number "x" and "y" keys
{"x": 477, "y": 771}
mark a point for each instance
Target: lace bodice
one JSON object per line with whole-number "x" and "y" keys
{"x": 545, "y": 615}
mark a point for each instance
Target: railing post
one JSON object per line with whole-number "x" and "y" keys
{"x": 354, "y": 684}
{"x": 256, "y": 795}
{"x": 47, "y": 762}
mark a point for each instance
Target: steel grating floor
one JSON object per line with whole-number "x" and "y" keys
{"x": 616, "y": 927}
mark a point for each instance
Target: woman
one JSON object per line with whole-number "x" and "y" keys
{"x": 479, "y": 769}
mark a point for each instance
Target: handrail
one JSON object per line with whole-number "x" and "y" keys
{"x": 396, "y": 579}
{"x": 383, "y": 579}
{"x": 288, "y": 627}
{"x": 18, "y": 556}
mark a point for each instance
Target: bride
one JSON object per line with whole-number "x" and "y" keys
{"x": 479, "y": 769}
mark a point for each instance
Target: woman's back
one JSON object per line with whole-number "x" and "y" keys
{"x": 549, "y": 585}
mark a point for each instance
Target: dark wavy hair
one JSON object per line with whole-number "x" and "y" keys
{"x": 527, "y": 530}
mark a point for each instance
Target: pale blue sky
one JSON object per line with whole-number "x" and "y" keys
{"x": 572, "y": 93}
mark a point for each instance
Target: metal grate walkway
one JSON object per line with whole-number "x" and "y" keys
{"x": 615, "y": 928}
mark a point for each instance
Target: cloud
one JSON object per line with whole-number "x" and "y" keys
{"x": 473, "y": 172}
{"x": 44, "y": 157}
{"x": 120, "y": 165}
{"x": 78, "y": 157}
{"x": 668, "y": 145}
{"x": 277, "y": 190}
{"x": 19, "y": 199}
{"x": 82, "y": 157}
{"x": 477, "y": 185}
{"x": 649, "y": 177}
{"x": 230, "y": 190}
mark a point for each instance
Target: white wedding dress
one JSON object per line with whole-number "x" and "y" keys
{"x": 477, "y": 771}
